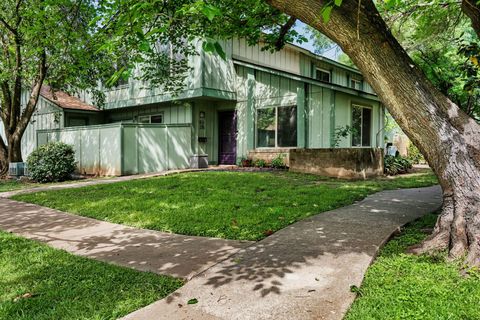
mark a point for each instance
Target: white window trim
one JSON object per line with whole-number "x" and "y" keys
{"x": 361, "y": 121}
{"x": 326, "y": 71}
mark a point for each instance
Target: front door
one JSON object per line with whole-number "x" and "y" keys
{"x": 227, "y": 131}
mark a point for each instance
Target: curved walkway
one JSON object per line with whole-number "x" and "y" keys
{"x": 301, "y": 272}
{"x": 144, "y": 250}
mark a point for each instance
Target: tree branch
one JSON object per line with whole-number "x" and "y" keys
{"x": 280, "y": 43}
{"x": 471, "y": 8}
{"x": 34, "y": 95}
{"x": 7, "y": 26}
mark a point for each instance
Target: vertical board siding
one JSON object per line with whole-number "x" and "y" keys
{"x": 97, "y": 148}
{"x": 287, "y": 59}
{"x": 218, "y": 73}
{"x": 343, "y": 117}
{"x": 174, "y": 113}
{"x": 46, "y": 116}
{"x": 145, "y": 148}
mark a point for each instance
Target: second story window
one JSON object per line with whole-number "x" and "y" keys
{"x": 323, "y": 75}
{"x": 356, "y": 84}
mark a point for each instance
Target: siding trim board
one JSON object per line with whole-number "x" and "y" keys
{"x": 297, "y": 77}
{"x": 184, "y": 95}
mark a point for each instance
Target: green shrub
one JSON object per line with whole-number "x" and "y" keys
{"x": 53, "y": 161}
{"x": 278, "y": 162}
{"x": 396, "y": 165}
{"x": 260, "y": 163}
{"x": 414, "y": 154}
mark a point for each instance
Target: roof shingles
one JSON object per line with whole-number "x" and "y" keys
{"x": 64, "y": 100}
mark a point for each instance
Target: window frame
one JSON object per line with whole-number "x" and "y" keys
{"x": 352, "y": 106}
{"x": 329, "y": 72}
{"x": 360, "y": 84}
{"x": 149, "y": 117}
{"x": 276, "y": 127}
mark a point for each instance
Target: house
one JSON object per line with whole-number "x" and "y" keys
{"x": 253, "y": 104}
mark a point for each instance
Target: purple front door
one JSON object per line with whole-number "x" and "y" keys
{"x": 227, "y": 131}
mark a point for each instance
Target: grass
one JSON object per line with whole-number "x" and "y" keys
{"x": 233, "y": 205}
{"x": 401, "y": 286}
{"x": 38, "y": 282}
{"x": 11, "y": 185}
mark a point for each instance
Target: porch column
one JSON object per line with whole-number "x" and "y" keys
{"x": 301, "y": 115}
{"x": 250, "y": 112}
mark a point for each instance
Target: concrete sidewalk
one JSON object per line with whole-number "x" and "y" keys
{"x": 145, "y": 250}
{"x": 301, "y": 272}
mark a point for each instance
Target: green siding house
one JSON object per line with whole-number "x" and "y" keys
{"x": 253, "y": 104}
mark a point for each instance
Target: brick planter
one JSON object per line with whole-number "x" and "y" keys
{"x": 347, "y": 163}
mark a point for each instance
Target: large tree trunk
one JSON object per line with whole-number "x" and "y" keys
{"x": 448, "y": 138}
{"x": 15, "y": 148}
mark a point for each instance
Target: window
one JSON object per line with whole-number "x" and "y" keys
{"x": 277, "y": 127}
{"x": 356, "y": 84}
{"x": 157, "y": 118}
{"x": 323, "y": 75}
{"x": 361, "y": 125}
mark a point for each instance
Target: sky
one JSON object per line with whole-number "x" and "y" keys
{"x": 332, "y": 54}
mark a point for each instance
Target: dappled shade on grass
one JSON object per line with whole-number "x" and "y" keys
{"x": 38, "y": 282}
{"x": 401, "y": 286}
{"x": 232, "y": 205}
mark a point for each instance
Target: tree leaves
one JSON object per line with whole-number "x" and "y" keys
{"x": 328, "y": 8}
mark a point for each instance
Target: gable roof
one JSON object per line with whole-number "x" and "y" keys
{"x": 65, "y": 101}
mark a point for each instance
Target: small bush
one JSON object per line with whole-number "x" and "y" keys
{"x": 396, "y": 165}
{"x": 414, "y": 154}
{"x": 260, "y": 163}
{"x": 53, "y": 161}
{"x": 278, "y": 162}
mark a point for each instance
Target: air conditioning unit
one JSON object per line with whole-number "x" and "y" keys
{"x": 16, "y": 169}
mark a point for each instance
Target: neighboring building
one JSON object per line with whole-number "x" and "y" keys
{"x": 253, "y": 103}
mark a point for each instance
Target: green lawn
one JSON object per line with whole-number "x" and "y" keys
{"x": 10, "y": 185}
{"x": 233, "y": 205}
{"x": 400, "y": 286}
{"x": 38, "y": 282}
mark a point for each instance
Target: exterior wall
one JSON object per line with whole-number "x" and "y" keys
{"x": 119, "y": 149}
{"x": 287, "y": 59}
{"x": 320, "y": 109}
{"x": 74, "y": 118}
{"x": 154, "y": 148}
{"x": 97, "y": 148}
{"x": 256, "y": 90}
{"x": 343, "y": 117}
{"x": 46, "y": 116}
{"x": 209, "y": 76}
{"x": 348, "y": 163}
{"x": 209, "y": 130}
{"x": 320, "y": 119}
{"x": 173, "y": 113}
{"x": 339, "y": 74}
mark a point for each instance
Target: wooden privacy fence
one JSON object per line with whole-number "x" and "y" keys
{"x": 125, "y": 148}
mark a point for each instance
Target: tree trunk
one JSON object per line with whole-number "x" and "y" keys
{"x": 15, "y": 148}
{"x": 447, "y": 137}
{"x": 3, "y": 159}
{"x": 471, "y": 8}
